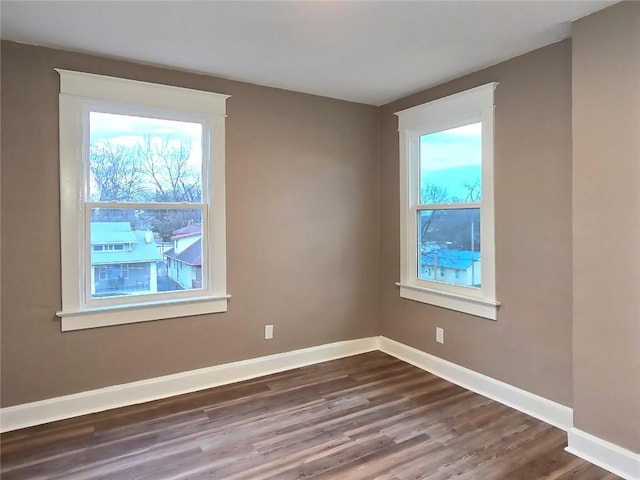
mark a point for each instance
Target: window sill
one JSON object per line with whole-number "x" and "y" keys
{"x": 123, "y": 314}
{"x": 480, "y": 307}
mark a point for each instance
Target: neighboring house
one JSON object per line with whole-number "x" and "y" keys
{"x": 461, "y": 267}
{"x": 184, "y": 260}
{"x": 123, "y": 261}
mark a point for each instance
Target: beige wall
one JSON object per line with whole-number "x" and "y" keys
{"x": 302, "y": 233}
{"x": 606, "y": 224}
{"x": 529, "y": 346}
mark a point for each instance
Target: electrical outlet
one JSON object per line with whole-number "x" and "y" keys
{"x": 439, "y": 335}
{"x": 268, "y": 332}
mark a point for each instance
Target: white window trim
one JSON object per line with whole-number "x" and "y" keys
{"x": 476, "y": 104}
{"x": 78, "y": 89}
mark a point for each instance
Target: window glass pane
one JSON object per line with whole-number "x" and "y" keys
{"x": 449, "y": 246}
{"x": 145, "y": 251}
{"x": 451, "y": 165}
{"x": 141, "y": 159}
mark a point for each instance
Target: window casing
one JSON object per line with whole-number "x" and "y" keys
{"x": 104, "y": 280}
{"x": 446, "y": 213}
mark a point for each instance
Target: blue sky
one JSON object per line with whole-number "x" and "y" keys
{"x": 451, "y": 159}
{"x": 128, "y": 128}
{"x": 457, "y": 147}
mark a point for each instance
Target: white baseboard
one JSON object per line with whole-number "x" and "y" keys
{"x": 58, "y": 408}
{"x": 609, "y": 456}
{"x": 599, "y": 452}
{"x": 539, "y": 407}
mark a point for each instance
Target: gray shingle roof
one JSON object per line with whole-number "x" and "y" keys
{"x": 191, "y": 255}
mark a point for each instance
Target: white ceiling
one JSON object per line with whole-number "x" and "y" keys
{"x": 368, "y": 52}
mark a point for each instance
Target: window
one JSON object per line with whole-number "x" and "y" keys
{"x": 102, "y": 272}
{"x": 140, "y": 164}
{"x": 446, "y": 217}
{"x": 111, "y": 247}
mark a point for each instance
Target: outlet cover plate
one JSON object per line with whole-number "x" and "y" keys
{"x": 268, "y": 332}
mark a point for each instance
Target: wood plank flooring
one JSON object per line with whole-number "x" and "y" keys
{"x": 370, "y": 416}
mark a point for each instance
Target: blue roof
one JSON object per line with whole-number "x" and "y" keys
{"x": 143, "y": 245}
{"x": 458, "y": 259}
{"x": 111, "y": 232}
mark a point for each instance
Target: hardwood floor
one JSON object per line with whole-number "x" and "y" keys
{"x": 370, "y": 416}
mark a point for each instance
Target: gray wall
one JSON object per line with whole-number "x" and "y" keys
{"x": 302, "y": 233}
{"x": 313, "y": 231}
{"x": 606, "y": 224}
{"x": 529, "y": 346}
